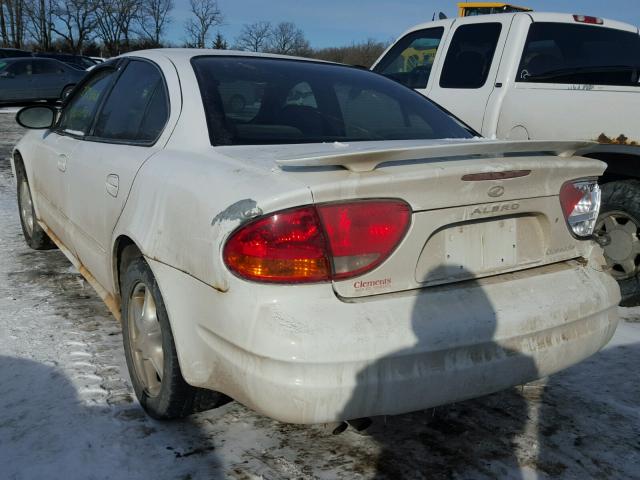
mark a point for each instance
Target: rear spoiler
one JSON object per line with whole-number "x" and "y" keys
{"x": 368, "y": 159}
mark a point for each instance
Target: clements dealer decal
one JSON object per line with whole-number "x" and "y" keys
{"x": 371, "y": 284}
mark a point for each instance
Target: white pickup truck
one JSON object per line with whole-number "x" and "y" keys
{"x": 543, "y": 76}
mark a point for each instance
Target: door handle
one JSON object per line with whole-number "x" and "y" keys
{"x": 113, "y": 184}
{"x": 62, "y": 162}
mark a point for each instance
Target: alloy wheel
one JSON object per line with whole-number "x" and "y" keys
{"x": 623, "y": 249}
{"x": 146, "y": 339}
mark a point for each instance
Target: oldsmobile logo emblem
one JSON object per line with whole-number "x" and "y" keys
{"x": 496, "y": 191}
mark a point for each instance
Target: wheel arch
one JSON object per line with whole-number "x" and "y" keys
{"x": 125, "y": 249}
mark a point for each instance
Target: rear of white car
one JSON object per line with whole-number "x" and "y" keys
{"x": 339, "y": 258}
{"x": 469, "y": 293}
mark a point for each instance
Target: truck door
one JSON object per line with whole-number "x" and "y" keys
{"x": 573, "y": 81}
{"x": 467, "y": 76}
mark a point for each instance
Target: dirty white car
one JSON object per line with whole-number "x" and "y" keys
{"x": 333, "y": 248}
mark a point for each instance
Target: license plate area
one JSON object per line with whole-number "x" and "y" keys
{"x": 477, "y": 249}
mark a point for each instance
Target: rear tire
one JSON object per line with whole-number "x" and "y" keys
{"x": 619, "y": 220}
{"x": 151, "y": 353}
{"x": 33, "y": 233}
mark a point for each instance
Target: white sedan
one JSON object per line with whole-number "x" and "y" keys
{"x": 313, "y": 240}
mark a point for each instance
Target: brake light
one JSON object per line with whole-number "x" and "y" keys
{"x": 588, "y": 19}
{"x": 331, "y": 241}
{"x": 580, "y": 200}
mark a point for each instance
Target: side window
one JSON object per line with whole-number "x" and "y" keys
{"x": 21, "y": 69}
{"x": 579, "y": 54}
{"x": 410, "y": 60}
{"x": 136, "y": 109}
{"x": 78, "y": 114}
{"x": 470, "y": 55}
{"x": 42, "y": 67}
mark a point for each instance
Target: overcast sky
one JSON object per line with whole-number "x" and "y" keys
{"x": 334, "y": 22}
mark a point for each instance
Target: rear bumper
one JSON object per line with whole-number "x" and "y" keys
{"x": 301, "y": 355}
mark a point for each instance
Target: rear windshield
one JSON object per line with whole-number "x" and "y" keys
{"x": 252, "y": 101}
{"x": 580, "y": 54}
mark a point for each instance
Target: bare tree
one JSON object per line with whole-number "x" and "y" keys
{"x": 287, "y": 39}
{"x": 4, "y": 34}
{"x": 154, "y": 18}
{"x": 364, "y": 53}
{"x": 75, "y": 22}
{"x": 205, "y": 16}
{"x": 254, "y": 37}
{"x": 39, "y": 22}
{"x": 114, "y": 20}
{"x": 13, "y": 34}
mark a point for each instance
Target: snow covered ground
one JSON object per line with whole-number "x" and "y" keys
{"x": 67, "y": 409}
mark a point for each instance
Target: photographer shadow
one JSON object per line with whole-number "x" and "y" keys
{"x": 457, "y": 348}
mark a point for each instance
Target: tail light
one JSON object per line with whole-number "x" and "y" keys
{"x": 588, "y": 19}
{"x": 580, "y": 200}
{"x": 320, "y": 243}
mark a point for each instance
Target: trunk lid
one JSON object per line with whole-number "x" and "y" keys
{"x": 480, "y": 207}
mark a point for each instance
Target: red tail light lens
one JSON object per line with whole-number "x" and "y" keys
{"x": 362, "y": 235}
{"x": 316, "y": 244}
{"x": 588, "y": 19}
{"x": 580, "y": 201}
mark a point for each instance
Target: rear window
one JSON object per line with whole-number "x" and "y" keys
{"x": 273, "y": 101}
{"x": 579, "y": 54}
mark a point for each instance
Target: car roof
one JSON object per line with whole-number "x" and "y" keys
{"x": 15, "y": 59}
{"x": 535, "y": 16}
{"x": 183, "y": 54}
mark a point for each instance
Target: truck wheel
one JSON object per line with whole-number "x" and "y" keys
{"x": 619, "y": 223}
{"x": 151, "y": 353}
{"x": 33, "y": 233}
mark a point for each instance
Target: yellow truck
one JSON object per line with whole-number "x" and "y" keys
{"x": 467, "y": 9}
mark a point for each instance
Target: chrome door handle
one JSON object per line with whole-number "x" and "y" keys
{"x": 113, "y": 183}
{"x": 62, "y": 162}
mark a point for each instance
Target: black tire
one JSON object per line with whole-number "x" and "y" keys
{"x": 622, "y": 200}
{"x": 175, "y": 398}
{"x": 33, "y": 233}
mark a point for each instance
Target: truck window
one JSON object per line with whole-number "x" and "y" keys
{"x": 411, "y": 58}
{"x": 470, "y": 55}
{"x": 579, "y": 54}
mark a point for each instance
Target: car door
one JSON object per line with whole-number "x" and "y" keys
{"x": 125, "y": 134}
{"x": 467, "y": 76}
{"x": 52, "y": 154}
{"x": 49, "y": 78}
{"x": 15, "y": 81}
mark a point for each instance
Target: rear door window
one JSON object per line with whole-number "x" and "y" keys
{"x": 136, "y": 109}
{"x": 21, "y": 68}
{"x": 470, "y": 56}
{"x": 77, "y": 116}
{"x": 410, "y": 60}
{"x": 579, "y": 54}
{"x": 43, "y": 67}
